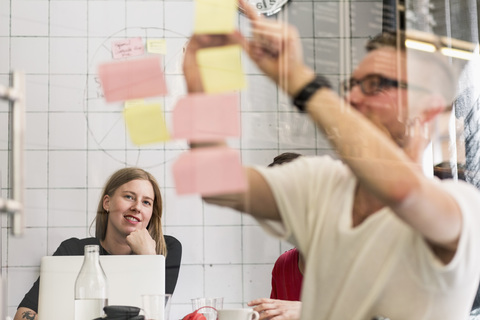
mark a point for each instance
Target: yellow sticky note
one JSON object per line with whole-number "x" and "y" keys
{"x": 145, "y": 123}
{"x": 221, "y": 68}
{"x": 157, "y": 46}
{"x": 215, "y": 16}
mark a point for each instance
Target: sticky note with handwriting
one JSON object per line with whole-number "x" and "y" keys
{"x": 215, "y": 16}
{"x": 132, "y": 79}
{"x": 145, "y": 123}
{"x": 221, "y": 68}
{"x": 209, "y": 171}
{"x": 158, "y": 46}
{"x": 202, "y": 117}
{"x": 127, "y": 48}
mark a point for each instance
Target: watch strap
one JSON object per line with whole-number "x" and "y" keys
{"x": 301, "y": 99}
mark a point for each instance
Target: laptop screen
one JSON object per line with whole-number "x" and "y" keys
{"x": 129, "y": 277}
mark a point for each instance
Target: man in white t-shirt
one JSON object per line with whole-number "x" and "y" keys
{"x": 380, "y": 239}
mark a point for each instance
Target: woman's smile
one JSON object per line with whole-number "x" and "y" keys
{"x": 132, "y": 219}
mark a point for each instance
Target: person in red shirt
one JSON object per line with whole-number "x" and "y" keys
{"x": 287, "y": 276}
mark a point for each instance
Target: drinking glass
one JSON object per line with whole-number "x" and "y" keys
{"x": 209, "y": 313}
{"x": 156, "y": 306}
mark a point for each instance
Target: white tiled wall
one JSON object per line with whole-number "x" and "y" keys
{"x": 74, "y": 140}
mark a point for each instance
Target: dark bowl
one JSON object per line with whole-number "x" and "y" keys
{"x": 121, "y": 311}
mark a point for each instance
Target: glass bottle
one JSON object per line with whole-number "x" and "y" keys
{"x": 91, "y": 288}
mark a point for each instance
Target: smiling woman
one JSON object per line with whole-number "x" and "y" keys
{"x": 130, "y": 205}
{"x": 128, "y": 221}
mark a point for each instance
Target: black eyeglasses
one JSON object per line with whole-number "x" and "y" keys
{"x": 372, "y": 84}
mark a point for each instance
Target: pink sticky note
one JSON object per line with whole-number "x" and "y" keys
{"x": 209, "y": 171}
{"x": 132, "y": 79}
{"x": 127, "y": 48}
{"x": 200, "y": 117}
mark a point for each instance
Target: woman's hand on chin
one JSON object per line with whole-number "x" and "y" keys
{"x": 141, "y": 242}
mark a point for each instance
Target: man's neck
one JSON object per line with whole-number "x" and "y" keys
{"x": 364, "y": 205}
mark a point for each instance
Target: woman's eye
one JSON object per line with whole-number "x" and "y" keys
{"x": 147, "y": 203}
{"x": 128, "y": 197}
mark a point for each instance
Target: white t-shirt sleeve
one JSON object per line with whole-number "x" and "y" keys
{"x": 298, "y": 187}
{"x": 467, "y": 257}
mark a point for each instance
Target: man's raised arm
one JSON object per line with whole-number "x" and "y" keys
{"x": 258, "y": 199}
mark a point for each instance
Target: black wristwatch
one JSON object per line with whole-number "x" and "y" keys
{"x": 300, "y": 100}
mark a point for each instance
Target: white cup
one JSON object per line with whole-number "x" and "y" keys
{"x": 238, "y": 314}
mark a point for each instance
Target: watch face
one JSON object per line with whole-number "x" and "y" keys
{"x": 268, "y": 7}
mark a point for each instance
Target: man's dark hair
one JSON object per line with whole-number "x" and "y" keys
{"x": 386, "y": 39}
{"x": 284, "y": 157}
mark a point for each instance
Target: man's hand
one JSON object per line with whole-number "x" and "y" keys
{"x": 272, "y": 309}
{"x": 276, "y": 49}
{"x": 190, "y": 67}
{"x": 141, "y": 242}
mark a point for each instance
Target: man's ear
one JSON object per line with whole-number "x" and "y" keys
{"x": 106, "y": 202}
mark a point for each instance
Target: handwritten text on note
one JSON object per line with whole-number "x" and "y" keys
{"x": 127, "y": 48}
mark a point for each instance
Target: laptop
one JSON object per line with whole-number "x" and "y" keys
{"x": 129, "y": 277}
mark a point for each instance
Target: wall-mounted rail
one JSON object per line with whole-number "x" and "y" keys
{"x": 14, "y": 205}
